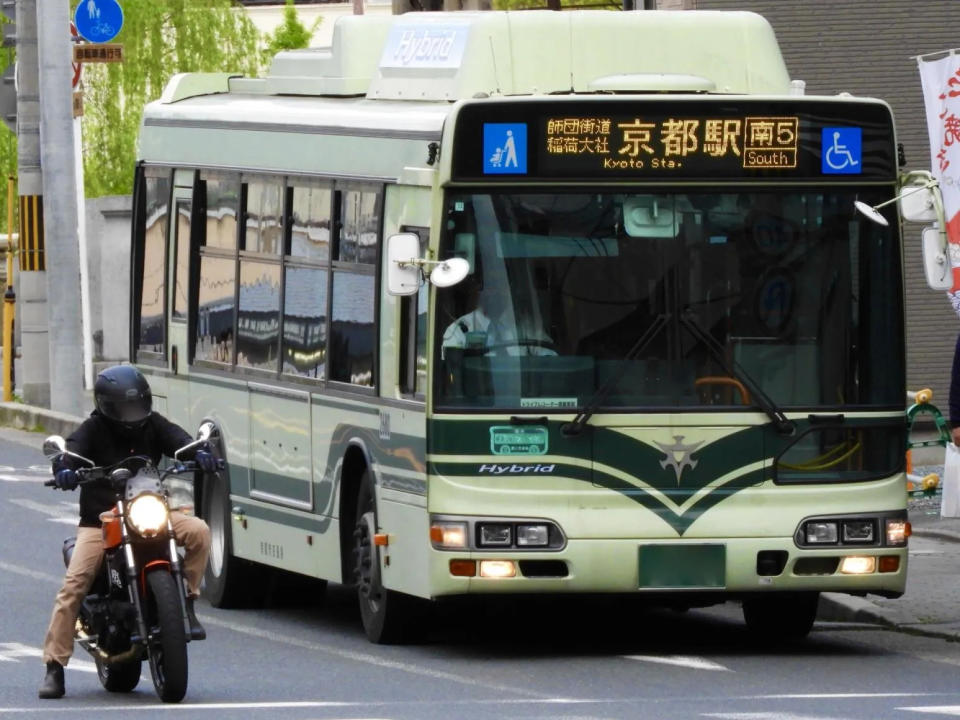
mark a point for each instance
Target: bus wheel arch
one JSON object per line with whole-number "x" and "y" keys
{"x": 352, "y": 470}
{"x": 226, "y": 578}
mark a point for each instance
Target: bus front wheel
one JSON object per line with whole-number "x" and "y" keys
{"x": 226, "y": 578}
{"x": 389, "y": 617}
{"x": 781, "y": 616}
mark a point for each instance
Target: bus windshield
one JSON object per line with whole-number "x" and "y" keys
{"x": 685, "y": 299}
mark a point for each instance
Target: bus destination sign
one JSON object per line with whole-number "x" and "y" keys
{"x": 613, "y": 144}
{"x": 701, "y": 140}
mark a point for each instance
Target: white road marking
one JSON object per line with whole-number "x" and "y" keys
{"x": 366, "y": 657}
{"x": 688, "y": 661}
{"x": 768, "y": 716}
{"x": 937, "y": 709}
{"x": 35, "y": 574}
{"x": 58, "y": 511}
{"x": 11, "y": 652}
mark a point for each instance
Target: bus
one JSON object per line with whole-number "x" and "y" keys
{"x": 535, "y": 302}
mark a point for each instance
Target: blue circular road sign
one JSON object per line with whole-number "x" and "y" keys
{"x": 98, "y": 21}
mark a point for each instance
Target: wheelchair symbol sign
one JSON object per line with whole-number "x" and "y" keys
{"x": 841, "y": 151}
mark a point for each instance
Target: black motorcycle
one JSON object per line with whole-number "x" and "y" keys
{"x": 136, "y": 608}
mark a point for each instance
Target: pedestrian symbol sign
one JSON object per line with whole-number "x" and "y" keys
{"x": 504, "y": 149}
{"x": 98, "y": 21}
{"x": 841, "y": 151}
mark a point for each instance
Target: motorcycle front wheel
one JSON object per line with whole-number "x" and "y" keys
{"x": 168, "y": 638}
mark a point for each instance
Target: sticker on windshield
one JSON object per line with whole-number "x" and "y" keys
{"x": 518, "y": 440}
{"x": 504, "y": 149}
{"x": 841, "y": 151}
{"x": 549, "y": 403}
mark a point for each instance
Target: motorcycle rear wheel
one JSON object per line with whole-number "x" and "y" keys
{"x": 120, "y": 677}
{"x": 168, "y": 642}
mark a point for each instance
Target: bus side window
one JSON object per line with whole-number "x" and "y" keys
{"x": 413, "y": 331}
{"x": 216, "y": 292}
{"x": 352, "y": 349}
{"x": 153, "y": 219}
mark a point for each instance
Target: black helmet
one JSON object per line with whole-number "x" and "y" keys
{"x": 123, "y": 395}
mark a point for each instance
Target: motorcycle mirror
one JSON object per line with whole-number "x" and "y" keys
{"x": 54, "y": 446}
{"x": 205, "y": 431}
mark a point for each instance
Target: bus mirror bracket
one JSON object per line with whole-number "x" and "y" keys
{"x": 920, "y": 200}
{"x": 406, "y": 269}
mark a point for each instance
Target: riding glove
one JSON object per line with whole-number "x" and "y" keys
{"x": 66, "y": 479}
{"x": 206, "y": 461}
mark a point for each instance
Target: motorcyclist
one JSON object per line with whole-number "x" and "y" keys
{"x": 122, "y": 425}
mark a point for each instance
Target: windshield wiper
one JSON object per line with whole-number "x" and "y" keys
{"x": 575, "y": 426}
{"x": 781, "y": 422}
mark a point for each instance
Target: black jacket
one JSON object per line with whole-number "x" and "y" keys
{"x": 105, "y": 443}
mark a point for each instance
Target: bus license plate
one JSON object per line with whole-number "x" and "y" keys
{"x": 683, "y": 566}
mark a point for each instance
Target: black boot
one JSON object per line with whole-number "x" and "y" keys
{"x": 196, "y": 629}
{"x": 52, "y": 685}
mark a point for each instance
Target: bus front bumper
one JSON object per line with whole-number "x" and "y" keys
{"x": 733, "y": 566}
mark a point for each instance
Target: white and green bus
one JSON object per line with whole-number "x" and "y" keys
{"x": 532, "y": 303}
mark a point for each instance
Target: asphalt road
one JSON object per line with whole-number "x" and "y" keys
{"x": 305, "y": 657}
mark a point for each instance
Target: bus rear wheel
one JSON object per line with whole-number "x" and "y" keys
{"x": 388, "y": 617}
{"x": 779, "y": 617}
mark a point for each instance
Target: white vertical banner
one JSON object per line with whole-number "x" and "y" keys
{"x": 941, "y": 95}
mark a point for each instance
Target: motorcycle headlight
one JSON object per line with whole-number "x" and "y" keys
{"x": 147, "y": 515}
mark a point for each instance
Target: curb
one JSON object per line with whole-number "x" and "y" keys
{"x": 836, "y": 607}
{"x": 937, "y": 533}
{"x": 36, "y": 419}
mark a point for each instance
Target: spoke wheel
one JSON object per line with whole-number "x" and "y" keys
{"x": 168, "y": 638}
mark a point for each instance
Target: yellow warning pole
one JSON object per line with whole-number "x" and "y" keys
{"x": 9, "y": 298}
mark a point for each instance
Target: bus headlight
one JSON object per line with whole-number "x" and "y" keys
{"x": 495, "y": 535}
{"x": 821, "y": 533}
{"x": 147, "y": 515}
{"x": 448, "y": 535}
{"x": 533, "y": 535}
{"x": 897, "y": 531}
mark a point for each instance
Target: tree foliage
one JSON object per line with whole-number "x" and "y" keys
{"x": 291, "y": 34}
{"x": 160, "y": 38}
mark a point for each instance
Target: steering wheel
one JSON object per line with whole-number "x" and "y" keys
{"x": 543, "y": 343}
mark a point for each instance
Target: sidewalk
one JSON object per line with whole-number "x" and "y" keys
{"x": 931, "y": 605}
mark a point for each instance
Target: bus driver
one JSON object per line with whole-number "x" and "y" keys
{"x": 498, "y": 325}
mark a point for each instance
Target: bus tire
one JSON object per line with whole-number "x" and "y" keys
{"x": 779, "y": 617}
{"x": 389, "y": 617}
{"x": 225, "y": 578}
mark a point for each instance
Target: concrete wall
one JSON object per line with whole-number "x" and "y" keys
{"x": 865, "y": 47}
{"x": 108, "y": 249}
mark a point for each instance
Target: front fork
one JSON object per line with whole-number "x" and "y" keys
{"x": 176, "y": 569}
{"x": 133, "y": 581}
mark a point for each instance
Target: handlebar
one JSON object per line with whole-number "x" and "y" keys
{"x": 88, "y": 476}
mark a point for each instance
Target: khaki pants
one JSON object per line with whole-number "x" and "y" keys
{"x": 191, "y": 532}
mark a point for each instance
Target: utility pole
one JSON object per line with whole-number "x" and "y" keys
{"x": 60, "y": 212}
{"x": 35, "y": 366}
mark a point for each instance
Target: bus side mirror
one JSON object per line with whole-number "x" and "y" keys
{"x": 936, "y": 259}
{"x": 918, "y": 203}
{"x": 403, "y": 269}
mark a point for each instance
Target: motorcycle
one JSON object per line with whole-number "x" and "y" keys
{"x": 136, "y": 608}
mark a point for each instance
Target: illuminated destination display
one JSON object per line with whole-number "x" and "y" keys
{"x": 706, "y": 139}
{"x": 759, "y": 142}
